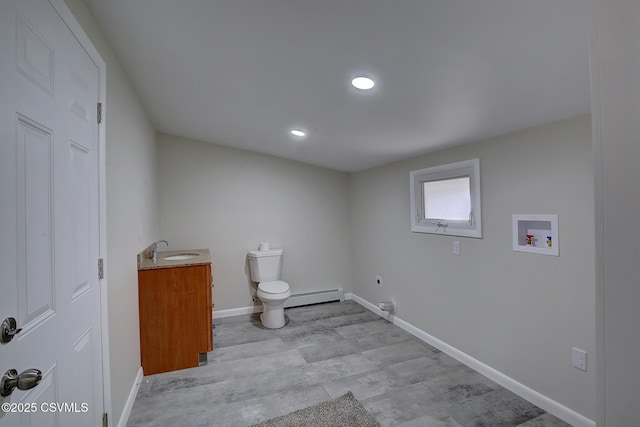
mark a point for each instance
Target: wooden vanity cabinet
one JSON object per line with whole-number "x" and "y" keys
{"x": 175, "y": 317}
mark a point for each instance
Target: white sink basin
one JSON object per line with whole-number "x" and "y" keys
{"x": 181, "y": 257}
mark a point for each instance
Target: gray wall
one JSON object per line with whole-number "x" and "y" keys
{"x": 131, "y": 203}
{"x": 230, "y": 200}
{"x": 519, "y": 313}
{"x": 615, "y": 95}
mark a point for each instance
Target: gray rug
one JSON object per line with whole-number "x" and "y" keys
{"x": 343, "y": 411}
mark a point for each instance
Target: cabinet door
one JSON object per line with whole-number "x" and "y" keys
{"x": 175, "y": 317}
{"x": 210, "y": 307}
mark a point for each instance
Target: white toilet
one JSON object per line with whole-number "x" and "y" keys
{"x": 266, "y": 267}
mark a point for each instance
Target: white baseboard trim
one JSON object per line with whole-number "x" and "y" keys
{"x": 363, "y": 302}
{"x": 128, "y": 406}
{"x": 542, "y": 401}
{"x": 217, "y": 314}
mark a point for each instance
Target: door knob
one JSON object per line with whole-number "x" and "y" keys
{"x": 25, "y": 381}
{"x": 8, "y": 330}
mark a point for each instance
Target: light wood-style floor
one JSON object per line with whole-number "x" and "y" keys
{"x": 255, "y": 374}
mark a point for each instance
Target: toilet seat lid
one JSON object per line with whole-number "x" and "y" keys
{"x": 275, "y": 287}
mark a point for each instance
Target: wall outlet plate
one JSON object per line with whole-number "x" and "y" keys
{"x": 579, "y": 359}
{"x": 456, "y": 247}
{"x": 379, "y": 281}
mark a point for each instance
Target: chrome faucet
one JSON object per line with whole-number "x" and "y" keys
{"x": 154, "y": 253}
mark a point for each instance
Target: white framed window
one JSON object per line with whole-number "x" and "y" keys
{"x": 445, "y": 199}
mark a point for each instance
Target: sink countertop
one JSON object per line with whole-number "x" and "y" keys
{"x": 203, "y": 258}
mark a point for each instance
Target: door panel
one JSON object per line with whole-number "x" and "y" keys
{"x": 43, "y": 394}
{"x": 49, "y": 215}
{"x": 34, "y": 56}
{"x": 80, "y": 169}
{"x": 35, "y": 222}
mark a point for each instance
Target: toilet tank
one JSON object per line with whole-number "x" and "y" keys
{"x": 265, "y": 266}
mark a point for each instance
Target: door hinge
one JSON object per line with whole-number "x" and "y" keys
{"x": 105, "y": 420}
{"x": 100, "y": 269}
{"x": 99, "y": 112}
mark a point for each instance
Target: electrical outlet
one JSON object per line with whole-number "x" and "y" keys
{"x": 456, "y": 247}
{"x": 379, "y": 281}
{"x": 579, "y": 359}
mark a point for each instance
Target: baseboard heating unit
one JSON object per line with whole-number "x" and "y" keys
{"x": 315, "y": 297}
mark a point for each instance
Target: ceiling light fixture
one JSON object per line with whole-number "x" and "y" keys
{"x": 299, "y": 133}
{"x": 363, "y": 83}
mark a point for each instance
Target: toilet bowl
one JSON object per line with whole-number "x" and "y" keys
{"x": 273, "y": 296}
{"x": 266, "y": 268}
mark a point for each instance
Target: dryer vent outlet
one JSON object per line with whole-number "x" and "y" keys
{"x": 388, "y": 306}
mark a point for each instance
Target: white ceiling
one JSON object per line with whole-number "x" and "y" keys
{"x": 242, "y": 73}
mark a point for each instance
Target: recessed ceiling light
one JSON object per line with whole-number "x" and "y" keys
{"x": 363, "y": 83}
{"x": 299, "y": 133}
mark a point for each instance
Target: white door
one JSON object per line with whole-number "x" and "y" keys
{"x": 49, "y": 218}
